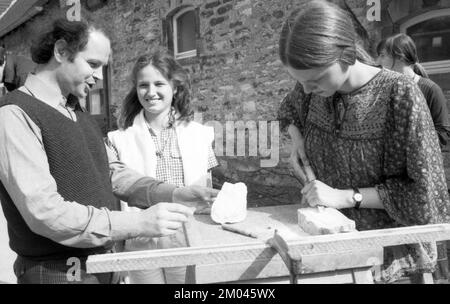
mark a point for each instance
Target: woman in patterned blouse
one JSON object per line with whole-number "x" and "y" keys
{"x": 158, "y": 138}
{"x": 365, "y": 130}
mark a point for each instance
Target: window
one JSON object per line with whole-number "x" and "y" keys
{"x": 94, "y": 5}
{"x": 97, "y": 101}
{"x": 184, "y": 33}
{"x": 432, "y": 38}
{"x": 431, "y": 34}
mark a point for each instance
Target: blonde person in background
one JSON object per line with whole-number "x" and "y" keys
{"x": 158, "y": 139}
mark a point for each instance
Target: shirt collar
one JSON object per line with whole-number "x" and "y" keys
{"x": 44, "y": 92}
{"x": 153, "y": 132}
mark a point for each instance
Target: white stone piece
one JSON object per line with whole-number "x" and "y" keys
{"x": 230, "y": 205}
{"x": 317, "y": 221}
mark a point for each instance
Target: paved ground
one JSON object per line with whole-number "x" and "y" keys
{"x": 7, "y": 256}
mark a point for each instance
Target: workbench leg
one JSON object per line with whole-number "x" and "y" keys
{"x": 190, "y": 275}
{"x": 362, "y": 276}
{"x": 427, "y": 278}
{"x": 192, "y": 240}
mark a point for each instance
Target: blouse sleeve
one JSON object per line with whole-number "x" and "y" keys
{"x": 439, "y": 113}
{"x": 415, "y": 189}
{"x": 289, "y": 111}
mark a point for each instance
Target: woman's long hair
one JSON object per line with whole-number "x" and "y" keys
{"x": 161, "y": 60}
{"x": 318, "y": 34}
{"x": 402, "y": 47}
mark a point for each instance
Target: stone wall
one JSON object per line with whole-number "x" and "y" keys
{"x": 236, "y": 75}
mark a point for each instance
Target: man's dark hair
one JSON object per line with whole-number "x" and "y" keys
{"x": 74, "y": 33}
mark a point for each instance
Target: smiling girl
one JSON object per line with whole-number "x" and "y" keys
{"x": 157, "y": 138}
{"x": 367, "y": 133}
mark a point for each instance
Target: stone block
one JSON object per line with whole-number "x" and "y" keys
{"x": 278, "y": 14}
{"x": 324, "y": 220}
{"x": 224, "y": 9}
{"x": 247, "y": 88}
{"x": 218, "y": 20}
{"x": 212, "y": 4}
{"x": 207, "y": 14}
{"x": 247, "y": 12}
{"x": 249, "y": 106}
{"x": 235, "y": 24}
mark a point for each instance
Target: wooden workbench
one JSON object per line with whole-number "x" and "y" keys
{"x": 216, "y": 255}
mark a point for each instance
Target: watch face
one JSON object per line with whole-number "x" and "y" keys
{"x": 357, "y": 197}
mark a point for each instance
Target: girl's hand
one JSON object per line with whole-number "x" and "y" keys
{"x": 317, "y": 193}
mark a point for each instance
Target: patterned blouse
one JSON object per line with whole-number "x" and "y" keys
{"x": 381, "y": 136}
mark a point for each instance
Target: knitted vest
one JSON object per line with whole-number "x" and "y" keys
{"x": 78, "y": 162}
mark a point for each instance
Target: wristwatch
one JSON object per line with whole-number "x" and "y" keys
{"x": 357, "y": 197}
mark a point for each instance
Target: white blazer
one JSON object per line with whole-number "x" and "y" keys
{"x": 136, "y": 148}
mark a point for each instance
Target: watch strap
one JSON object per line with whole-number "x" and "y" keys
{"x": 357, "y": 202}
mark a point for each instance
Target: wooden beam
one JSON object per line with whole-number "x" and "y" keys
{"x": 18, "y": 13}
{"x": 260, "y": 253}
{"x": 275, "y": 267}
{"x": 334, "y": 277}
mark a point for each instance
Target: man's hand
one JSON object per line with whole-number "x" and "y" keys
{"x": 195, "y": 196}
{"x": 163, "y": 219}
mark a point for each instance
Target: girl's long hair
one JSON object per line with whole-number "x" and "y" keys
{"x": 161, "y": 60}
{"x": 402, "y": 47}
{"x": 318, "y": 34}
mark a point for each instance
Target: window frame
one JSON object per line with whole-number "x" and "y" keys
{"x": 187, "y": 54}
{"x": 104, "y": 118}
{"x": 432, "y": 67}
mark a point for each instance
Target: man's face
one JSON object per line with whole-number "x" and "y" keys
{"x": 80, "y": 75}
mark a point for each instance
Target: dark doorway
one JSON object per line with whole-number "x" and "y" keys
{"x": 98, "y": 100}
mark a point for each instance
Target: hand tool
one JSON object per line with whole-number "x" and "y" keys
{"x": 239, "y": 231}
{"x": 307, "y": 171}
